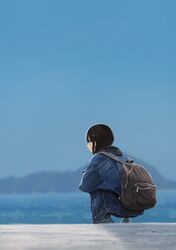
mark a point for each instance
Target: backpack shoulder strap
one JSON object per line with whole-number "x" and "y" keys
{"x": 112, "y": 156}
{"x": 124, "y": 163}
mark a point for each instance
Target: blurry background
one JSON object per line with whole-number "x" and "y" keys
{"x": 66, "y": 65}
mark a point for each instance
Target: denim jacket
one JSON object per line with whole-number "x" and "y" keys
{"x": 102, "y": 180}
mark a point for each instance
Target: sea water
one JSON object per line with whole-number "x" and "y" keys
{"x": 53, "y": 208}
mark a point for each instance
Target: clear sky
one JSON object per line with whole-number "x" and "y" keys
{"x": 66, "y": 65}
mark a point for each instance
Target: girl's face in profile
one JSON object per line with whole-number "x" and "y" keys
{"x": 90, "y": 146}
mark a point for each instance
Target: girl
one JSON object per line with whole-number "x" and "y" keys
{"x": 102, "y": 178}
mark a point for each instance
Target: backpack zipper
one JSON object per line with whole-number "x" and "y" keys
{"x": 152, "y": 186}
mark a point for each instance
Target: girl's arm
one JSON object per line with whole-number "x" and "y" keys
{"x": 91, "y": 180}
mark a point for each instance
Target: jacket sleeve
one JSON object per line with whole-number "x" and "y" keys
{"x": 91, "y": 180}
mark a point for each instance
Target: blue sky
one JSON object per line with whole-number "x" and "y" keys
{"x": 66, "y": 65}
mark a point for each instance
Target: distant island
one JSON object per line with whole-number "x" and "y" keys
{"x": 68, "y": 181}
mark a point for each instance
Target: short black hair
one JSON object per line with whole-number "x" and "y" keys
{"x": 102, "y": 135}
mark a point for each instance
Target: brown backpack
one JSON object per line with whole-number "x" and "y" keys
{"x": 138, "y": 191}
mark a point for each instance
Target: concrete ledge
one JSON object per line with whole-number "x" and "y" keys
{"x": 142, "y": 236}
